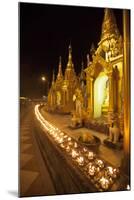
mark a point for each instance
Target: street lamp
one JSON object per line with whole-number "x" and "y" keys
{"x": 43, "y": 79}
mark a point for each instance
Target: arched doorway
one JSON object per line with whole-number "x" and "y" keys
{"x": 58, "y": 99}
{"x": 101, "y": 93}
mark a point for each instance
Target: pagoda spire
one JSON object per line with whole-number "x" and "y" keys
{"x": 60, "y": 74}
{"x": 82, "y": 68}
{"x": 53, "y": 78}
{"x": 92, "y": 49}
{"x": 82, "y": 71}
{"x": 70, "y": 62}
{"x": 109, "y": 25}
{"x": 88, "y": 60}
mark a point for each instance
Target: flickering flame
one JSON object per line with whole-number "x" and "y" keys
{"x": 68, "y": 148}
{"x": 85, "y": 149}
{"x": 104, "y": 183}
{"x": 75, "y": 145}
{"x": 70, "y": 143}
{"x": 90, "y": 155}
{"x": 80, "y": 160}
{"x": 110, "y": 169}
{"x": 99, "y": 163}
{"x": 74, "y": 153}
{"x": 91, "y": 169}
{"x": 69, "y": 139}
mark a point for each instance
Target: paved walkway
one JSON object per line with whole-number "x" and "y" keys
{"x": 112, "y": 156}
{"x": 32, "y": 167}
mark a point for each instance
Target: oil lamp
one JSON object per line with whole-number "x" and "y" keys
{"x": 104, "y": 182}
{"x": 62, "y": 145}
{"x": 68, "y": 148}
{"x": 65, "y": 136}
{"x": 69, "y": 139}
{"x": 70, "y": 143}
{"x": 99, "y": 163}
{"x": 91, "y": 169}
{"x": 74, "y": 153}
{"x": 80, "y": 160}
{"x": 75, "y": 145}
{"x": 112, "y": 172}
{"x": 90, "y": 155}
{"x": 85, "y": 150}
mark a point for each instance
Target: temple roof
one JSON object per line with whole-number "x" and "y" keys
{"x": 109, "y": 25}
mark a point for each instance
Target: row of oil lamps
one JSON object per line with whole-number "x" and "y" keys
{"x": 100, "y": 174}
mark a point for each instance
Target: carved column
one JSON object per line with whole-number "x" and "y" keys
{"x": 116, "y": 89}
{"x": 63, "y": 97}
{"x": 111, "y": 98}
{"x": 111, "y": 92}
{"x": 90, "y": 83}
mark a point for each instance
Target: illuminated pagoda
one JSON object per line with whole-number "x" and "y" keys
{"x": 60, "y": 98}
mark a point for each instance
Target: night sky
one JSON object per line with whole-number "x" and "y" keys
{"x": 45, "y": 34}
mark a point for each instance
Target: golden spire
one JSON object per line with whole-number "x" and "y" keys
{"x": 88, "y": 60}
{"x": 92, "y": 49}
{"x": 53, "y": 78}
{"x": 82, "y": 66}
{"x": 109, "y": 25}
{"x": 60, "y": 74}
{"x": 82, "y": 75}
{"x": 70, "y": 63}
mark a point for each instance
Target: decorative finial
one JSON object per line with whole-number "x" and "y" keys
{"x": 70, "y": 48}
{"x": 59, "y": 59}
{"x": 82, "y": 75}
{"x": 92, "y": 49}
{"x": 53, "y": 79}
{"x": 70, "y": 63}
{"x": 109, "y": 25}
{"x": 60, "y": 75}
{"x": 88, "y": 60}
{"x": 82, "y": 65}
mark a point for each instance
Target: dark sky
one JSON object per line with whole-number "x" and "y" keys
{"x": 45, "y": 34}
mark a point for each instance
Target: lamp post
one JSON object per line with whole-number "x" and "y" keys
{"x": 43, "y": 78}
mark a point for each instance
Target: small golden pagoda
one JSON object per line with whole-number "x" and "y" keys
{"x": 60, "y": 97}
